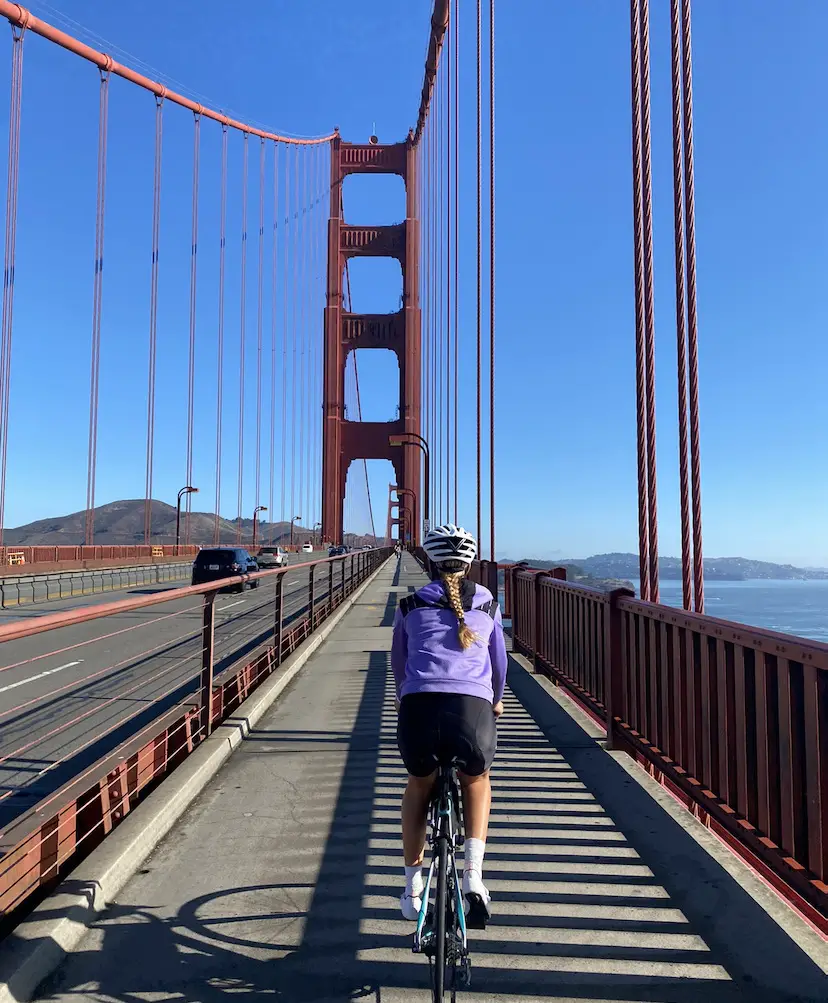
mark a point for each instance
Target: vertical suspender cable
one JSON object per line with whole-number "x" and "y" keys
{"x": 479, "y": 388}
{"x": 285, "y": 247}
{"x": 220, "y": 359}
{"x": 153, "y": 325}
{"x": 450, "y": 237}
{"x": 273, "y": 306}
{"x": 308, "y": 325}
{"x": 242, "y": 326}
{"x": 681, "y": 330}
{"x": 193, "y": 279}
{"x": 638, "y": 257}
{"x": 692, "y": 317}
{"x": 427, "y": 280}
{"x": 433, "y": 442}
{"x": 259, "y": 324}
{"x": 456, "y": 250}
{"x": 439, "y": 327}
{"x": 97, "y": 298}
{"x": 649, "y": 304}
{"x": 293, "y": 388}
{"x": 492, "y": 277}
{"x": 12, "y": 188}
{"x": 300, "y": 306}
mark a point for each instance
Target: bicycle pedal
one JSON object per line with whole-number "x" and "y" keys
{"x": 478, "y": 914}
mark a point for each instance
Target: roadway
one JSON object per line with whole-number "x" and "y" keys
{"x": 72, "y": 695}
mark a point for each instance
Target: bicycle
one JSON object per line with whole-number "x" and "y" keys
{"x": 441, "y": 930}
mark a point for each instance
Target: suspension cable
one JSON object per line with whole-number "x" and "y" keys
{"x": 97, "y": 298}
{"x": 242, "y": 331}
{"x": 193, "y": 279}
{"x": 649, "y": 301}
{"x": 220, "y": 349}
{"x": 492, "y": 277}
{"x": 692, "y": 313}
{"x": 638, "y": 258}
{"x": 456, "y": 249}
{"x": 12, "y": 190}
{"x": 260, "y": 325}
{"x": 681, "y": 330}
{"x": 273, "y": 368}
{"x": 479, "y": 388}
{"x": 153, "y": 325}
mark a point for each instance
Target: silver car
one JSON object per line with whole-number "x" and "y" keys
{"x": 271, "y": 557}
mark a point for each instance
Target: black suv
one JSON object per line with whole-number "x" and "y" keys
{"x": 214, "y": 563}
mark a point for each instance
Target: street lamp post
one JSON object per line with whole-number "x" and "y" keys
{"x": 292, "y": 521}
{"x": 318, "y": 526}
{"x": 420, "y": 442}
{"x": 256, "y": 510}
{"x": 184, "y": 491}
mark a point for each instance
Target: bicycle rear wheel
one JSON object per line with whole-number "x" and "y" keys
{"x": 438, "y": 969}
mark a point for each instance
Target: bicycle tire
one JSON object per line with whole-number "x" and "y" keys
{"x": 438, "y": 970}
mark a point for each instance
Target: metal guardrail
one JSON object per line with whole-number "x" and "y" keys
{"x": 733, "y": 718}
{"x": 153, "y": 687}
{"x": 26, "y": 589}
{"x": 61, "y": 554}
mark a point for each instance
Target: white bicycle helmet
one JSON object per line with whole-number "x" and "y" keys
{"x": 450, "y": 543}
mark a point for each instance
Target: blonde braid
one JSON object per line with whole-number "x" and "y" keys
{"x": 451, "y": 583}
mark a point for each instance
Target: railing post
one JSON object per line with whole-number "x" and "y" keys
{"x": 310, "y": 597}
{"x": 330, "y": 585}
{"x": 613, "y": 677}
{"x": 279, "y": 618}
{"x": 536, "y": 631}
{"x": 207, "y": 647}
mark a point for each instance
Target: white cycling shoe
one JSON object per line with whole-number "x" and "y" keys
{"x": 476, "y": 898}
{"x": 411, "y": 901}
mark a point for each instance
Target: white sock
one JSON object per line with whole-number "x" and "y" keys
{"x": 475, "y": 851}
{"x": 414, "y": 879}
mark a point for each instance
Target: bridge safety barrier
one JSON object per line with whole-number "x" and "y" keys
{"x": 34, "y": 588}
{"x": 733, "y": 719}
{"x": 76, "y": 759}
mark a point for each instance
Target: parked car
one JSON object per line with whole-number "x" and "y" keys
{"x": 215, "y": 563}
{"x": 271, "y": 557}
{"x": 307, "y": 548}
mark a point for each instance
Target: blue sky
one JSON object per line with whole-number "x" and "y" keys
{"x": 565, "y": 365}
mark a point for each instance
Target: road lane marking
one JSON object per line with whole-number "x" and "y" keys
{"x": 237, "y": 603}
{"x": 40, "y": 675}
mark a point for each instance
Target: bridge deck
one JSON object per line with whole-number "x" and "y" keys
{"x": 282, "y": 880}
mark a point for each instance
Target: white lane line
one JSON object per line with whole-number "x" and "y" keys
{"x": 238, "y": 603}
{"x": 40, "y": 675}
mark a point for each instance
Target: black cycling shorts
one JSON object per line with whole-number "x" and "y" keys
{"x": 435, "y": 728}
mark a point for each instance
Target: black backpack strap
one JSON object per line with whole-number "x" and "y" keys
{"x": 408, "y": 603}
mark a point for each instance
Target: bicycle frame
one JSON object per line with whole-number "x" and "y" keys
{"x": 445, "y": 826}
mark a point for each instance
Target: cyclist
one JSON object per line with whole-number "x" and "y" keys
{"x": 449, "y": 660}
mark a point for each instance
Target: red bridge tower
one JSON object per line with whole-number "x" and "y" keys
{"x": 346, "y": 441}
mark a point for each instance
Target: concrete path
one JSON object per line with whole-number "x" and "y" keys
{"x": 282, "y": 881}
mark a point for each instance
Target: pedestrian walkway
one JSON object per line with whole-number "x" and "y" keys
{"x": 282, "y": 881}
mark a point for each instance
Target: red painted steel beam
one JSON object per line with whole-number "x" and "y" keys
{"x": 18, "y": 15}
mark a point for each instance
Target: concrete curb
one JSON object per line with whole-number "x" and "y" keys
{"x": 38, "y": 945}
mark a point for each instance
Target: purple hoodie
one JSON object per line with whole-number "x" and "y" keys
{"x": 426, "y": 655}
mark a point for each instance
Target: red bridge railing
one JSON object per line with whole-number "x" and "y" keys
{"x": 734, "y": 719}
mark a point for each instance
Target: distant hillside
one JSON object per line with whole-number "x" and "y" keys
{"x": 625, "y": 566}
{"x": 122, "y": 523}
{"x": 576, "y": 573}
